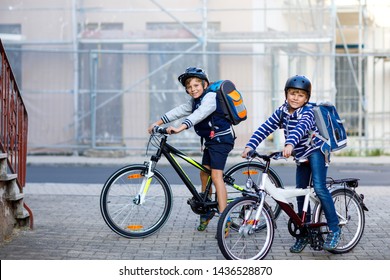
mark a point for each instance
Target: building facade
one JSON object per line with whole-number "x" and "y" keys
{"x": 94, "y": 74}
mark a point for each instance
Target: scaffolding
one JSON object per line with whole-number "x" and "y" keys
{"x": 96, "y": 76}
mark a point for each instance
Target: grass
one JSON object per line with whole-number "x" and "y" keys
{"x": 367, "y": 153}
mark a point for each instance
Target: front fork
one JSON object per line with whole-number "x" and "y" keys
{"x": 249, "y": 225}
{"x": 139, "y": 199}
{"x": 261, "y": 195}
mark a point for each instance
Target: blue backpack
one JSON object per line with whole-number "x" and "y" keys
{"x": 231, "y": 100}
{"x": 330, "y": 127}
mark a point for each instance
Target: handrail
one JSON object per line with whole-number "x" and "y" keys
{"x": 13, "y": 121}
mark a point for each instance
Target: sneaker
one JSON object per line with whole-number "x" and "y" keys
{"x": 227, "y": 226}
{"x": 204, "y": 220}
{"x": 332, "y": 240}
{"x": 299, "y": 245}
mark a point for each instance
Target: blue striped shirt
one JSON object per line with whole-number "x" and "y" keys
{"x": 296, "y": 130}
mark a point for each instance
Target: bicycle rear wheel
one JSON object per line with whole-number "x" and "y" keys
{"x": 241, "y": 239}
{"x": 120, "y": 207}
{"x": 351, "y": 217}
{"x": 242, "y": 171}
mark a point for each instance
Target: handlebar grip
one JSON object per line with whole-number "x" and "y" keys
{"x": 159, "y": 129}
{"x": 251, "y": 154}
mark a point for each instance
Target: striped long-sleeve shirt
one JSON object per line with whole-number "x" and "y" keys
{"x": 296, "y": 130}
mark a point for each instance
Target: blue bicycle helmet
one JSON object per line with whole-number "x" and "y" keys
{"x": 298, "y": 82}
{"x": 193, "y": 72}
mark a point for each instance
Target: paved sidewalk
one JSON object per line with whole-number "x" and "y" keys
{"x": 68, "y": 225}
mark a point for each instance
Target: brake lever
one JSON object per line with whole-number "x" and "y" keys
{"x": 159, "y": 129}
{"x": 251, "y": 154}
{"x": 278, "y": 156}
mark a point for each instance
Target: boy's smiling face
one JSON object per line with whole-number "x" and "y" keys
{"x": 195, "y": 87}
{"x": 296, "y": 98}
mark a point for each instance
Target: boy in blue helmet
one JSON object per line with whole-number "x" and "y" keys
{"x": 204, "y": 113}
{"x": 296, "y": 117}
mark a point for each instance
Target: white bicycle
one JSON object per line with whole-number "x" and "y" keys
{"x": 246, "y": 228}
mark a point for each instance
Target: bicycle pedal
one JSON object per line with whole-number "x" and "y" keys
{"x": 316, "y": 241}
{"x": 316, "y": 247}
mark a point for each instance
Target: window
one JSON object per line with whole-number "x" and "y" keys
{"x": 108, "y": 69}
{"x": 347, "y": 97}
{"x": 13, "y": 51}
{"x": 165, "y": 90}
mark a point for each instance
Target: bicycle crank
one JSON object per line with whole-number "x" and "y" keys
{"x": 295, "y": 230}
{"x": 197, "y": 207}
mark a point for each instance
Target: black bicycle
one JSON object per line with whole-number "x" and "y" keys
{"x": 137, "y": 199}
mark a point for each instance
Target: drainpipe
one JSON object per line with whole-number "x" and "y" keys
{"x": 75, "y": 75}
{"x": 204, "y": 31}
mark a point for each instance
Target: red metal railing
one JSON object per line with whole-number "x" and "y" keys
{"x": 13, "y": 122}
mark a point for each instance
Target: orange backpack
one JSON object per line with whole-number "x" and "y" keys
{"x": 231, "y": 100}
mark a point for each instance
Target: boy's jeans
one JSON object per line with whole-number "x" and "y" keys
{"x": 318, "y": 170}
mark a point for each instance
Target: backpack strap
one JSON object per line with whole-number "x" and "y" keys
{"x": 212, "y": 134}
{"x": 281, "y": 119}
{"x": 234, "y": 133}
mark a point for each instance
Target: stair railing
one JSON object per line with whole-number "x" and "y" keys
{"x": 13, "y": 121}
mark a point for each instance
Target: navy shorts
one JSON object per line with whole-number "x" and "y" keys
{"x": 217, "y": 150}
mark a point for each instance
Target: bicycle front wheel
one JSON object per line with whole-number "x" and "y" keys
{"x": 242, "y": 171}
{"x": 244, "y": 239}
{"x": 121, "y": 207}
{"x": 351, "y": 219}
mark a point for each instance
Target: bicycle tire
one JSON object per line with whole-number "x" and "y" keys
{"x": 241, "y": 171}
{"x": 242, "y": 241}
{"x": 351, "y": 216}
{"x": 122, "y": 213}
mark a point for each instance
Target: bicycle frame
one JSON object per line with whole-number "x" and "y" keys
{"x": 170, "y": 152}
{"x": 282, "y": 196}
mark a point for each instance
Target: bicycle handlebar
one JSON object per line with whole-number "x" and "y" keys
{"x": 159, "y": 129}
{"x": 274, "y": 155}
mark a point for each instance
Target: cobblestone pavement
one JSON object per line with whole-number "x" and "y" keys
{"x": 68, "y": 225}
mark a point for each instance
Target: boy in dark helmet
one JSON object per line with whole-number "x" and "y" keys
{"x": 204, "y": 113}
{"x": 296, "y": 117}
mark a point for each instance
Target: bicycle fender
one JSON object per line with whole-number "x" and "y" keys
{"x": 359, "y": 197}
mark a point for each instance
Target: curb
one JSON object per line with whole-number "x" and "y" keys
{"x": 82, "y": 160}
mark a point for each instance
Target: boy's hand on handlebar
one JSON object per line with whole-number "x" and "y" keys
{"x": 288, "y": 151}
{"x": 172, "y": 130}
{"x": 175, "y": 130}
{"x": 246, "y": 152}
{"x": 150, "y": 129}
{"x": 153, "y": 125}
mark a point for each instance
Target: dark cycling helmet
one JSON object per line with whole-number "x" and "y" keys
{"x": 298, "y": 82}
{"x": 193, "y": 72}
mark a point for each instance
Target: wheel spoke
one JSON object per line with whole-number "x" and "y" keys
{"x": 121, "y": 210}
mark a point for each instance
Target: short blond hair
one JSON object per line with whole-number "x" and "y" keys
{"x": 192, "y": 78}
{"x": 298, "y": 90}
